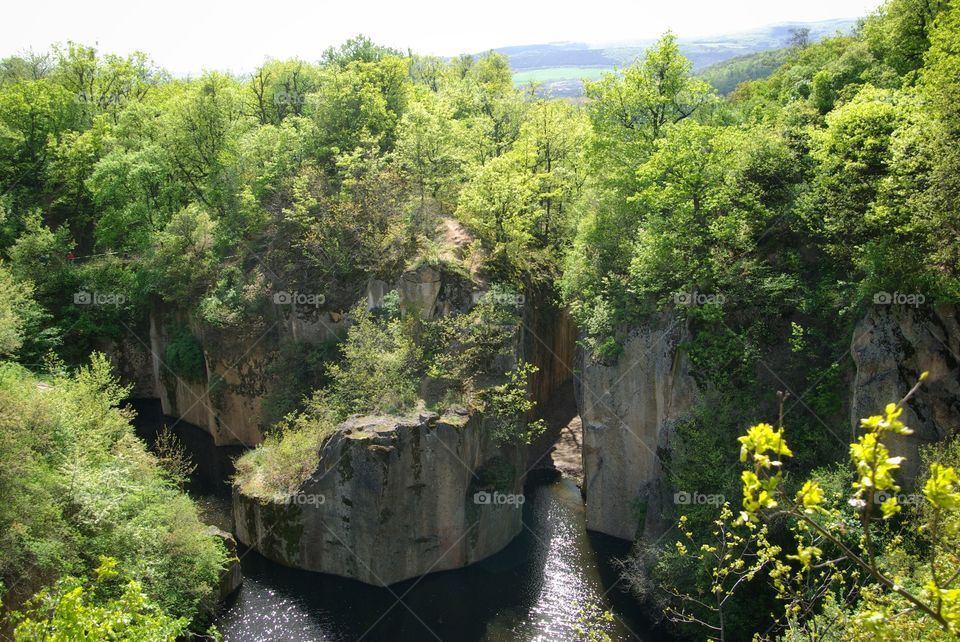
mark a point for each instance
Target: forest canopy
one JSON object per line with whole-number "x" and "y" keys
{"x": 786, "y": 206}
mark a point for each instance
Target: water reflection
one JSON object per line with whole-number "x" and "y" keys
{"x": 531, "y": 591}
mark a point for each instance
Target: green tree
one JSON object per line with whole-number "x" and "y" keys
{"x": 103, "y": 84}
{"x": 377, "y": 372}
{"x": 707, "y": 196}
{"x": 498, "y": 203}
{"x": 80, "y": 610}
{"x": 430, "y": 147}
{"x": 279, "y": 89}
{"x": 631, "y": 109}
{"x": 853, "y": 156}
{"x": 76, "y": 483}
{"x": 19, "y": 314}
{"x": 32, "y": 114}
{"x": 358, "y": 49}
{"x": 197, "y": 133}
{"x": 551, "y": 145}
{"x": 359, "y": 104}
{"x": 899, "y": 32}
{"x": 182, "y": 261}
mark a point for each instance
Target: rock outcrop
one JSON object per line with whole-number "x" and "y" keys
{"x": 393, "y": 498}
{"x": 231, "y": 577}
{"x": 891, "y": 346}
{"x": 132, "y": 361}
{"x": 227, "y": 401}
{"x": 629, "y": 409}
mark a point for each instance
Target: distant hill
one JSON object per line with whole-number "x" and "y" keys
{"x": 726, "y": 75}
{"x": 561, "y": 67}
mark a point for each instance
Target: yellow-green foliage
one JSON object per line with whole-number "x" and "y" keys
{"x": 288, "y": 454}
{"x": 908, "y": 585}
{"x": 111, "y": 607}
{"x": 75, "y": 484}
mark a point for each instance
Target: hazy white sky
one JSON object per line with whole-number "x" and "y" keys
{"x": 191, "y": 35}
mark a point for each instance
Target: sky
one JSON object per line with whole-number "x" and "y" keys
{"x": 188, "y": 36}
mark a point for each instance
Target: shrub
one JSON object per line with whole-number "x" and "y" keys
{"x": 184, "y": 356}
{"x": 289, "y": 453}
{"x": 507, "y": 406}
{"x": 379, "y": 367}
{"x": 106, "y": 608}
{"x": 75, "y": 484}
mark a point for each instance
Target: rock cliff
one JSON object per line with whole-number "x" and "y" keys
{"x": 628, "y": 410}
{"x": 891, "y": 346}
{"x": 227, "y": 401}
{"x": 393, "y": 498}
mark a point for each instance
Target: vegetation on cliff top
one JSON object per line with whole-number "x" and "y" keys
{"x": 76, "y": 485}
{"x": 385, "y": 360}
{"x": 763, "y": 222}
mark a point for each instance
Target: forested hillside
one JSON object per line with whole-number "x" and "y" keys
{"x": 765, "y": 221}
{"x": 560, "y": 68}
{"x": 725, "y": 76}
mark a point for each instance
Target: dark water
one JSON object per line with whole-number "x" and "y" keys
{"x": 539, "y": 588}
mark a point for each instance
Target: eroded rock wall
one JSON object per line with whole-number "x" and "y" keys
{"x": 629, "y": 409}
{"x": 228, "y": 402}
{"x": 891, "y": 346}
{"x": 391, "y": 499}
{"x": 548, "y": 341}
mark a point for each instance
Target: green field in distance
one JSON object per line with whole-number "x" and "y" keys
{"x": 552, "y": 74}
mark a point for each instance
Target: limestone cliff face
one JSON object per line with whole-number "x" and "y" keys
{"x": 228, "y": 403}
{"x": 132, "y": 361}
{"x": 629, "y": 409}
{"x": 393, "y": 498}
{"x": 891, "y": 346}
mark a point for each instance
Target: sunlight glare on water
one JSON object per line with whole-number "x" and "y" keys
{"x": 535, "y": 590}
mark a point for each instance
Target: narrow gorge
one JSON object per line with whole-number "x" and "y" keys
{"x": 370, "y": 344}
